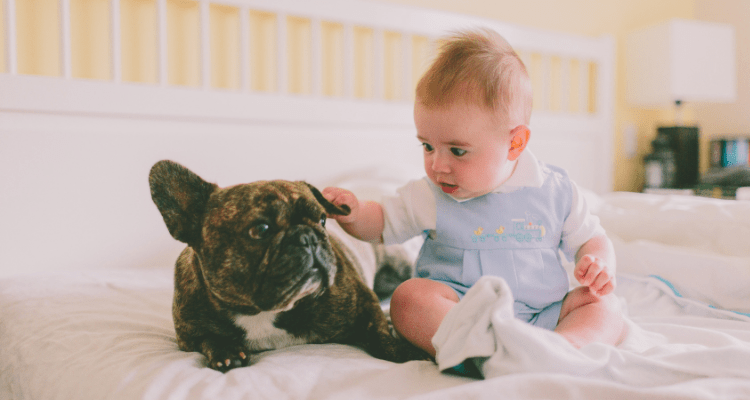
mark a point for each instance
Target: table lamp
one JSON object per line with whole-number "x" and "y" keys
{"x": 676, "y": 62}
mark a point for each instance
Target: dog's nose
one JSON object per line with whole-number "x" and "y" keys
{"x": 303, "y": 236}
{"x": 308, "y": 239}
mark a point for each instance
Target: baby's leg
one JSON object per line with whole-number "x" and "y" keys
{"x": 418, "y": 306}
{"x": 586, "y": 318}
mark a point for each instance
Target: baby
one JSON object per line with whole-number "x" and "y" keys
{"x": 488, "y": 206}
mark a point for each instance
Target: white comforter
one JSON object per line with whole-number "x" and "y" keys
{"x": 109, "y": 334}
{"x": 482, "y": 329}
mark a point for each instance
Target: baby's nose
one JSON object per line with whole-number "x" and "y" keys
{"x": 440, "y": 163}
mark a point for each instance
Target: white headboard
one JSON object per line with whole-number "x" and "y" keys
{"x": 75, "y": 153}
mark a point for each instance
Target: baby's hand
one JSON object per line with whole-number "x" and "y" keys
{"x": 594, "y": 273}
{"x": 339, "y": 197}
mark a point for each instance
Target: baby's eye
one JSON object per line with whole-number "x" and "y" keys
{"x": 457, "y": 152}
{"x": 427, "y": 147}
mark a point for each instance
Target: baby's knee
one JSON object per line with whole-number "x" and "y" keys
{"x": 402, "y": 303}
{"x": 418, "y": 294}
{"x": 582, "y": 296}
{"x": 406, "y": 294}
{"x": 610, "y": 303}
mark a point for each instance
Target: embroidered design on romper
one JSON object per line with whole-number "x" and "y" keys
{"x": 527, "y": 231}
{"x": 521, "y": 230}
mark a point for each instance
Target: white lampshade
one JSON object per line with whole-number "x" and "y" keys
{"x": 686, "y": 60}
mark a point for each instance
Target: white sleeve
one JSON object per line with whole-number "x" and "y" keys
{"x": 581, "y": 225}
{"x": 409, "y": 213}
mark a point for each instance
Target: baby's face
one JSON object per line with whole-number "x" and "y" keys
{"x": 465, "y": 148}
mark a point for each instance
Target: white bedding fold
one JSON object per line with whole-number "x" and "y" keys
{"x": 482, "y": 327}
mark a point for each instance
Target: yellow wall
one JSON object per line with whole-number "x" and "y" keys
{"x": 39, "y": 50}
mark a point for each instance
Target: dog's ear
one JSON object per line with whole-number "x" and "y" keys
{"x": 181, "y": 197}
{"x": 329, "y": 207}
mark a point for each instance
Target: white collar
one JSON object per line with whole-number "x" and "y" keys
{"x": 528, "y": 173}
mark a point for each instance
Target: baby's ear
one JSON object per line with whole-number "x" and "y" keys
{"x": 519, "y": 138}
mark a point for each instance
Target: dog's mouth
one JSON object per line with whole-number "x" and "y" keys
{"x": 310, "y": 288}
{"x": 295, "y": 275}
{"x": 313, "y": 283}
{"x": 283, "y": 298}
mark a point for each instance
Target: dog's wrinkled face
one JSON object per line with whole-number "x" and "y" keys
{"x": 261, "y": 244}
{"x": 265, "y": 244}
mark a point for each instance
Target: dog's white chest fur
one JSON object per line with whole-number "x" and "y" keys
{"x": 262, "y": 334}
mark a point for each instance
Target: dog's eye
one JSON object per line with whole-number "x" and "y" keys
{"x": 323, "y": 219}
{"x": 259, "y": 231}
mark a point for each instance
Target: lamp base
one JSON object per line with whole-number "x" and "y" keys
{"x": 684, "y": 143}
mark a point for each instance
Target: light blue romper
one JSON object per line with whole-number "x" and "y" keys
{"x": 513, "y": 235}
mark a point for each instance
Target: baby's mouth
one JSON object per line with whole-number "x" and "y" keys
{"x": 448, "y": 188}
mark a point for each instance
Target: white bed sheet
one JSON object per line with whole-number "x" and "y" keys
{"x": 700, "y": 245}
{"x": 109, "y": 334}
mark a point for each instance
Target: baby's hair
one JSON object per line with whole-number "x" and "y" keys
{"x": 480, "y": 68}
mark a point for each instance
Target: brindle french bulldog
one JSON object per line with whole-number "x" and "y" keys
{"x": 261, "y": 272}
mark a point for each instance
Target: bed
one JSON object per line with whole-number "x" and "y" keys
{"x": 318, "y": 90}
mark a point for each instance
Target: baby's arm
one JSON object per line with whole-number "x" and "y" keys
{"x": 595, "y": 265}
{"x": 365, "y": 221}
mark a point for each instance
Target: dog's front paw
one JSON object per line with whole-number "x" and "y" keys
{"x": 223, "y": 358}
